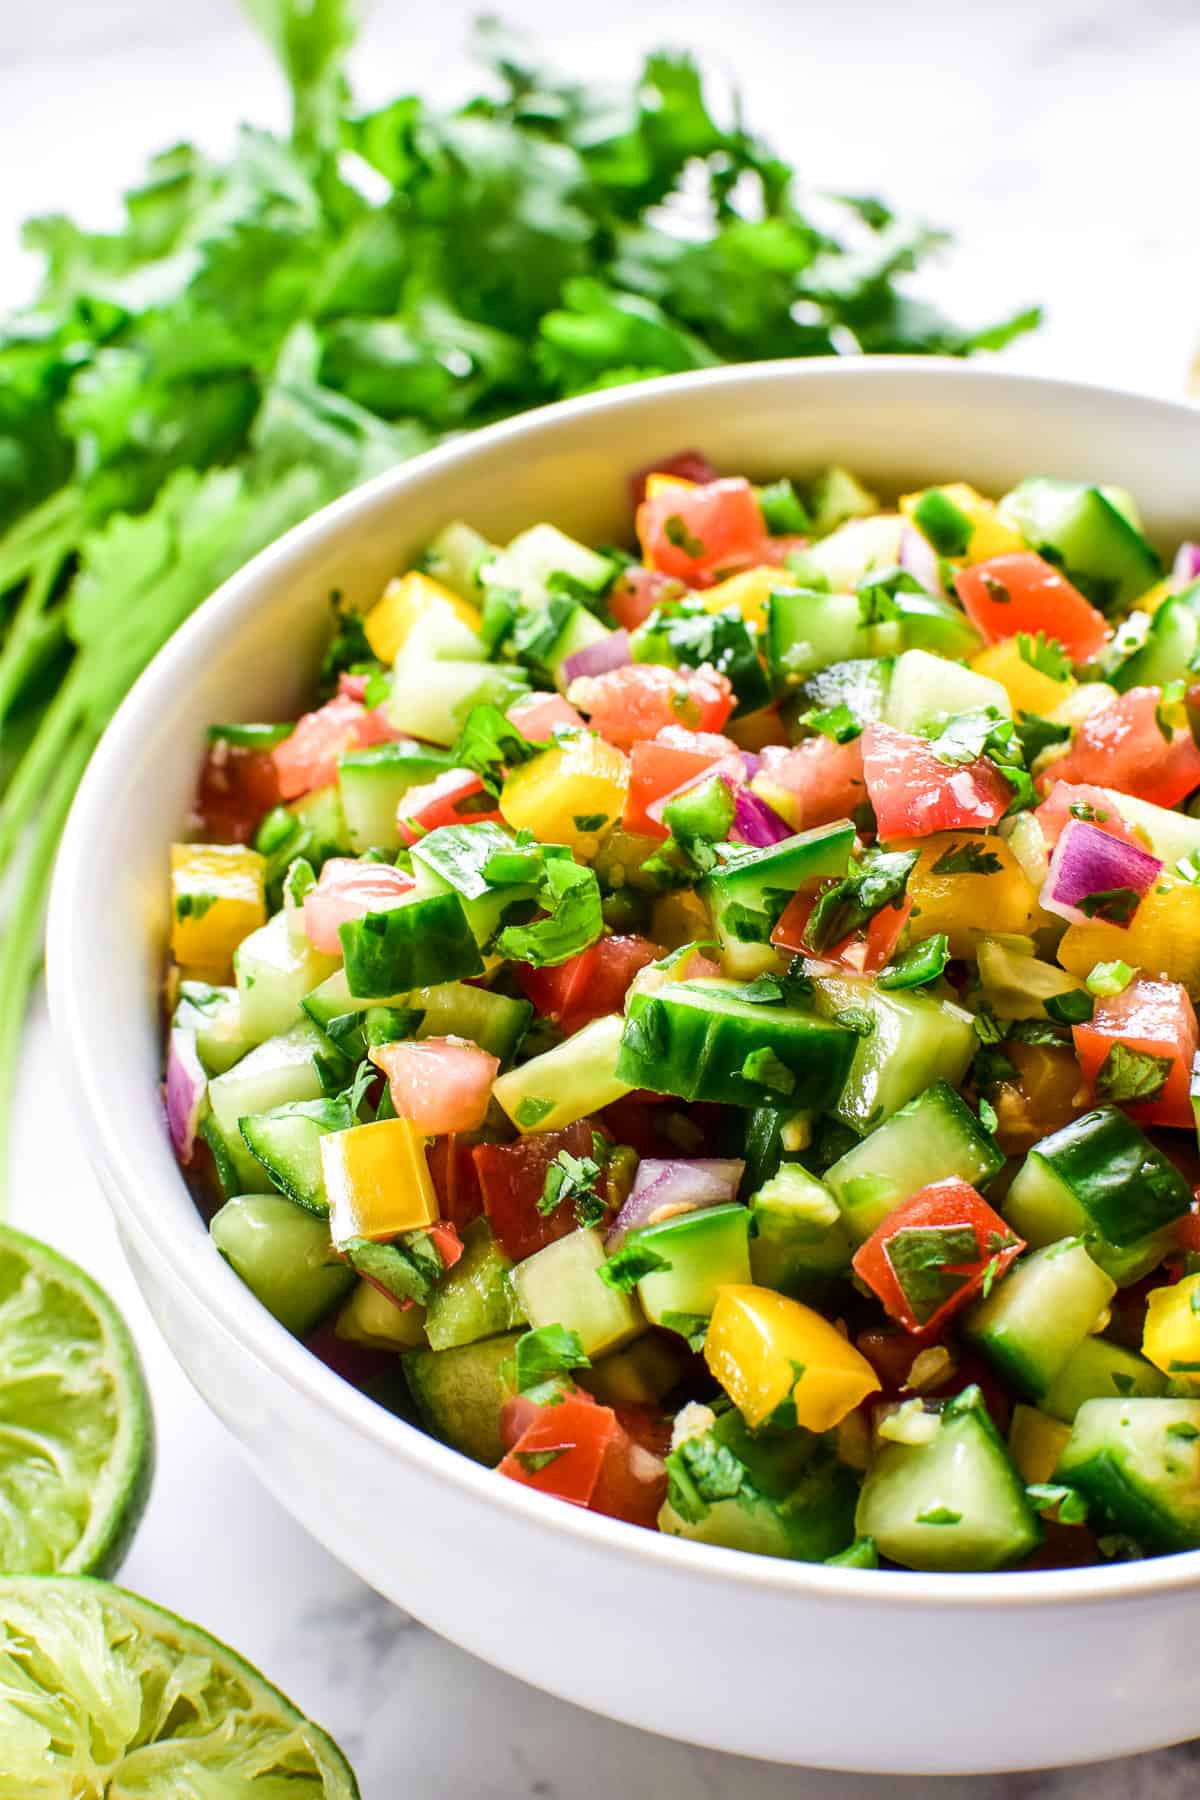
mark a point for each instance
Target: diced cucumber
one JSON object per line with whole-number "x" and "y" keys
{"x": 476, "y": 1299}
{"x": 926, "y": 622}
{"x": 373, "y": 782}
{"x": 237, "y": 1172}
{"x": 1035, "y": 1442}
{"x": 287, "y": 1142}
{"x": 835, "y": 496}
{"x": 641, "y": 1374}
{"x": 1138, "y": 1463}
{"x": 274, "y": 971}
{"x": 700, "y": 1040}
{"x": 861, "y": 684}
{"x": 807, "y": 630}
{"x": 496, "y": 1022}
{"x": 1039, "y": 1313}
{"x": 284, "y": 1256}
{"x": 934, "y": 1137}
{"x": 747, "y": 894}
{"x": 373, "y": 1319}
{"x": 424, "y": 943}
{"x": 530, "y": 562}
{"x": 926, "y": 689}
{"x": 856, "y": 548}
{"x": 459, "y": 1394}
{"x": 1171, "y": 835}
{"x": 564, "y": 1084}
{"x": 452, "y": 859}
{"x": 323, "y": 829}
{"x": 1099, "y": 1370}
{"x": 701, "y": 1251}
{"x": 271, "y": 1075}
{"x": 785, "y": 1495}
{"x": 561, "y": 1285}
{"x": 549, "y": 648}
{"x": 1169, "y": 648}
{"x": 1016, "y": 985}
{"x": 954, "y": 1502}
{"x": 454, "y": 558}
{"x": 916, "y": 1040}
{"x": 1083, "y": 533}
{"x": 214, "y": 1015}
{"x": 431, "y": 697}
{"x": 800, "y": 1241}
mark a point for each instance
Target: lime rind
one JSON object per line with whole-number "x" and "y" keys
{"x": 103, "y": 1693}
{"x": 76, "y": 1427}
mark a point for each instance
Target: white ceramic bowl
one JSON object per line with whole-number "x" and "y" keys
{"x": 803, "y": 1664}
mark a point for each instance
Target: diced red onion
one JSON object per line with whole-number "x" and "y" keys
{"x": 753, "y": 762}
{"x": 756, "y": 823}
{"x": 1089, "y": 861}
{"x": 683, "y": 1185}
{"x": 1187, "y": 564}
{"x": 612, "y": 652}
{"x": 186, "y": 1091}
{"x": 920, "y": 559}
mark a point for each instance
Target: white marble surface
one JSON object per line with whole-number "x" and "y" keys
{"x": 1058, "y": 140}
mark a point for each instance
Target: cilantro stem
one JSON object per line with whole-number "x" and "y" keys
{"x": 35, "y": 772}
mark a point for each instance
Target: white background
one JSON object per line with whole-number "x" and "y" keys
{"x": 1059, "y": 141}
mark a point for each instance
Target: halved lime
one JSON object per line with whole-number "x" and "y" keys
{"x": 106, "y": 1697}
{"x": 76, "y": 1432}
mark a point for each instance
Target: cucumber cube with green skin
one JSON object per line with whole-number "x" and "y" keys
{"x": 1169, "y": 648}
{"x": 561, "y": 1285}
{"x": 807, "y": 630}
{"x": 853, "y": 551}
{"x": 1085, "y": 532}
{"x": 861, "y": 685}
{"x": 564, "y": 1084}
{"x": 835, "y": 496}
{"x": 550, "y": 648}
{"x": 1137, "y": 1461}
{"x": 747, "y": 894}
{"x": 915, "y": 1040}
{"x": 452, "y": 859}
{"x": 274, "y": 971}
{"x": 373, "y": 782}
{"x": 1099, "y": 1370}
{"x": 323, "y": 826}
{"x": 953, "y": 1503}
{"x": 926, "y": 622}
{"x": 273, "y": 1074}
{"x": 459, "y": 1394}
{"x": 700, "y": 1251}
{"x": 417, "y": 945}
{"x": 496, "y": 1022}
{"x": 534, "y": 557}
{"x": 699, "y": 1040}
{"x": 455, "y": 557}
{"x": 800, "y": 1241}
{"x": 431, "y": 696}
{"x": 1037, "y": 1316}
{"x": 932, "y": 1138}
{"x": 476, "y": 1299}
{"x": 641, "y": 1374}
{"x": 1101, "y": 1178}
{"x": 773, "y": 1495}
{"x": 287, "y": 1142}
{"x": 926, "y": 689}
{"x": 284, "y": 1256}
{"x": 214, "y": 1015}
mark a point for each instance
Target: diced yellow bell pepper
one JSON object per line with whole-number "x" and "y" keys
{"x": 377, "y": 1180}
{"x": 749, "y": 592}
{"x": 216, "y": 901}
{"x": 583, "y": 779}
{"x": 965, "y": 906}
{"x": 763, "y": 1347}
{"x": 679, "y": 918}
{"x": 785, "y": 801}
{"x": 990, "y": 536}
{"x": 1035, "y": 1443}
{"x": 658, "y": 483}
{"x": 404, "y": 601}
{"x": 1162, "y": 939}
{"x": 1171, "y": 1336}
{"x": 1027, "y": 688}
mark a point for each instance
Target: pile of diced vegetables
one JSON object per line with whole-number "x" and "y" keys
{"x": 711, "y": 1035}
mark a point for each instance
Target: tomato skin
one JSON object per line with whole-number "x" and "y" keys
{"x": 913, "y": 793}
{"x": 457, "y": 797}
{"x": 441, "y": 1084}
{"x": 581, "y": 1432}
{"x": 826, "y": 779}
{"x": 237, "y": 786}
{"x": 308, "y": 758}
{"x": 452, "y": 1168}
{"x": 942, "y": 1203}
{"x": 637, "y": 701}
{"x": 1054, "y": 814}
{"x": 511, "y": 1180}
{"x": 536, "y": 716}
{"x": 1039, "y": 599}
{"x": 1120, "y": 746}
{"x": 587, "y": 986}
{"x": 1156, "y": 1018}
{"x": 684, "y": 465}
{"x": 347, "y": 889}
{"x": 638, "y": 590}
{"x": 447, "y": 1242}
{"x": 719, "y": 527}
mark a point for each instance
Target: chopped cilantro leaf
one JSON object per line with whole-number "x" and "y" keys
{"x": 836, "y": 722}
{"x": 534, "y": 1461}
{"x": 1127, "y": 1074}
{"x": 590, "y": 821}
{"x": 927, "y": 1260}
{"x": 490, "y": 744}
{"x": 856, "y": 1019}
{"x": 676, "y": 533}
{"x": 1183, "y": 1430}
{"x": 1045, "y": 654}
{"x": 628, "y": 1265}
{"x": 921, "y": 963}
{"x": 939, "y": 1515}
{"x": 1075, "y": 1007}
{"x": 1116, "y": 906}
{"x": 194, "y": 906}
{"x": 692, "y": 1326}
{"x": 574, "y": 1179}
{"x": 878, "y": 879}
{"x": 967, "y": 859}
{"x": 531, "y": 1111}
{"x": 988, "y": 1117}
{"x": 539, "y": 1355}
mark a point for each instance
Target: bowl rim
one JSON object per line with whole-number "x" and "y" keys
{"x": 230, "y": 1307}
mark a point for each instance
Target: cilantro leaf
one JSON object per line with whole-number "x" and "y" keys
{"x": 878, "y": 879}
{"x": 922, "y": 962}
{"x": 967, "y": 859}
{"x": 489, "y": 745}
{"x": 1116, "y": 906}
{"x": 1127, "y": 1074}
{"x": 927, "y": 1261}
{"x": 543, "y": 1354}
{"x": 629, "y": 1265}
{"x": 570, "y": 896}
{"x": 574, "y": 1179}
{"x": 1045, "y": 654}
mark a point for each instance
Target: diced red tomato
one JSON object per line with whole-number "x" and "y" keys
{"x": 587, "y": 986}
{"x": 512, "y": 1179}
{"x": 776, "y": 550}
{"x": 446, "y": 1242}
{"x": 638, "y": 590}
{"x": 707, "y": 743}
{"x": 452, "y": 1168}
{"x": 237, "y": 786}
{"x": 685, "y": 465}
{"x": 1187, "y": 1231}
{"x": 441, "y": 1084}
{"x": 635, "y": 702}
{"x": 632, "y": 1484}
{"x": 308, "y": 759}
{"x": 1069, "y": 800}
{"x": 730, "y": 769}
{"x": 562, "y": 1450}
{"x": 457, "y": 797}
{"x": 1121, "y": 746}
{"x": 657, "y": 768}
{"x": 537, "y": 714}
{"x": 914, "y": 793}
{"x": 865, "y": 951}
{"x": 699, "y": 532}
{"x": 347, "y": 889}
{"x": 352, "y": 687}
{"x": 1155, "y": 1018}
{"x": 826, "y": 779}
{"x": 945, "y": 1205}
{"x": 1022, "y": 592}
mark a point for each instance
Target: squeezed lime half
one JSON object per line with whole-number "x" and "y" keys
{"x": 76, "y": 1431}
{"x": 106, "y": 1697}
